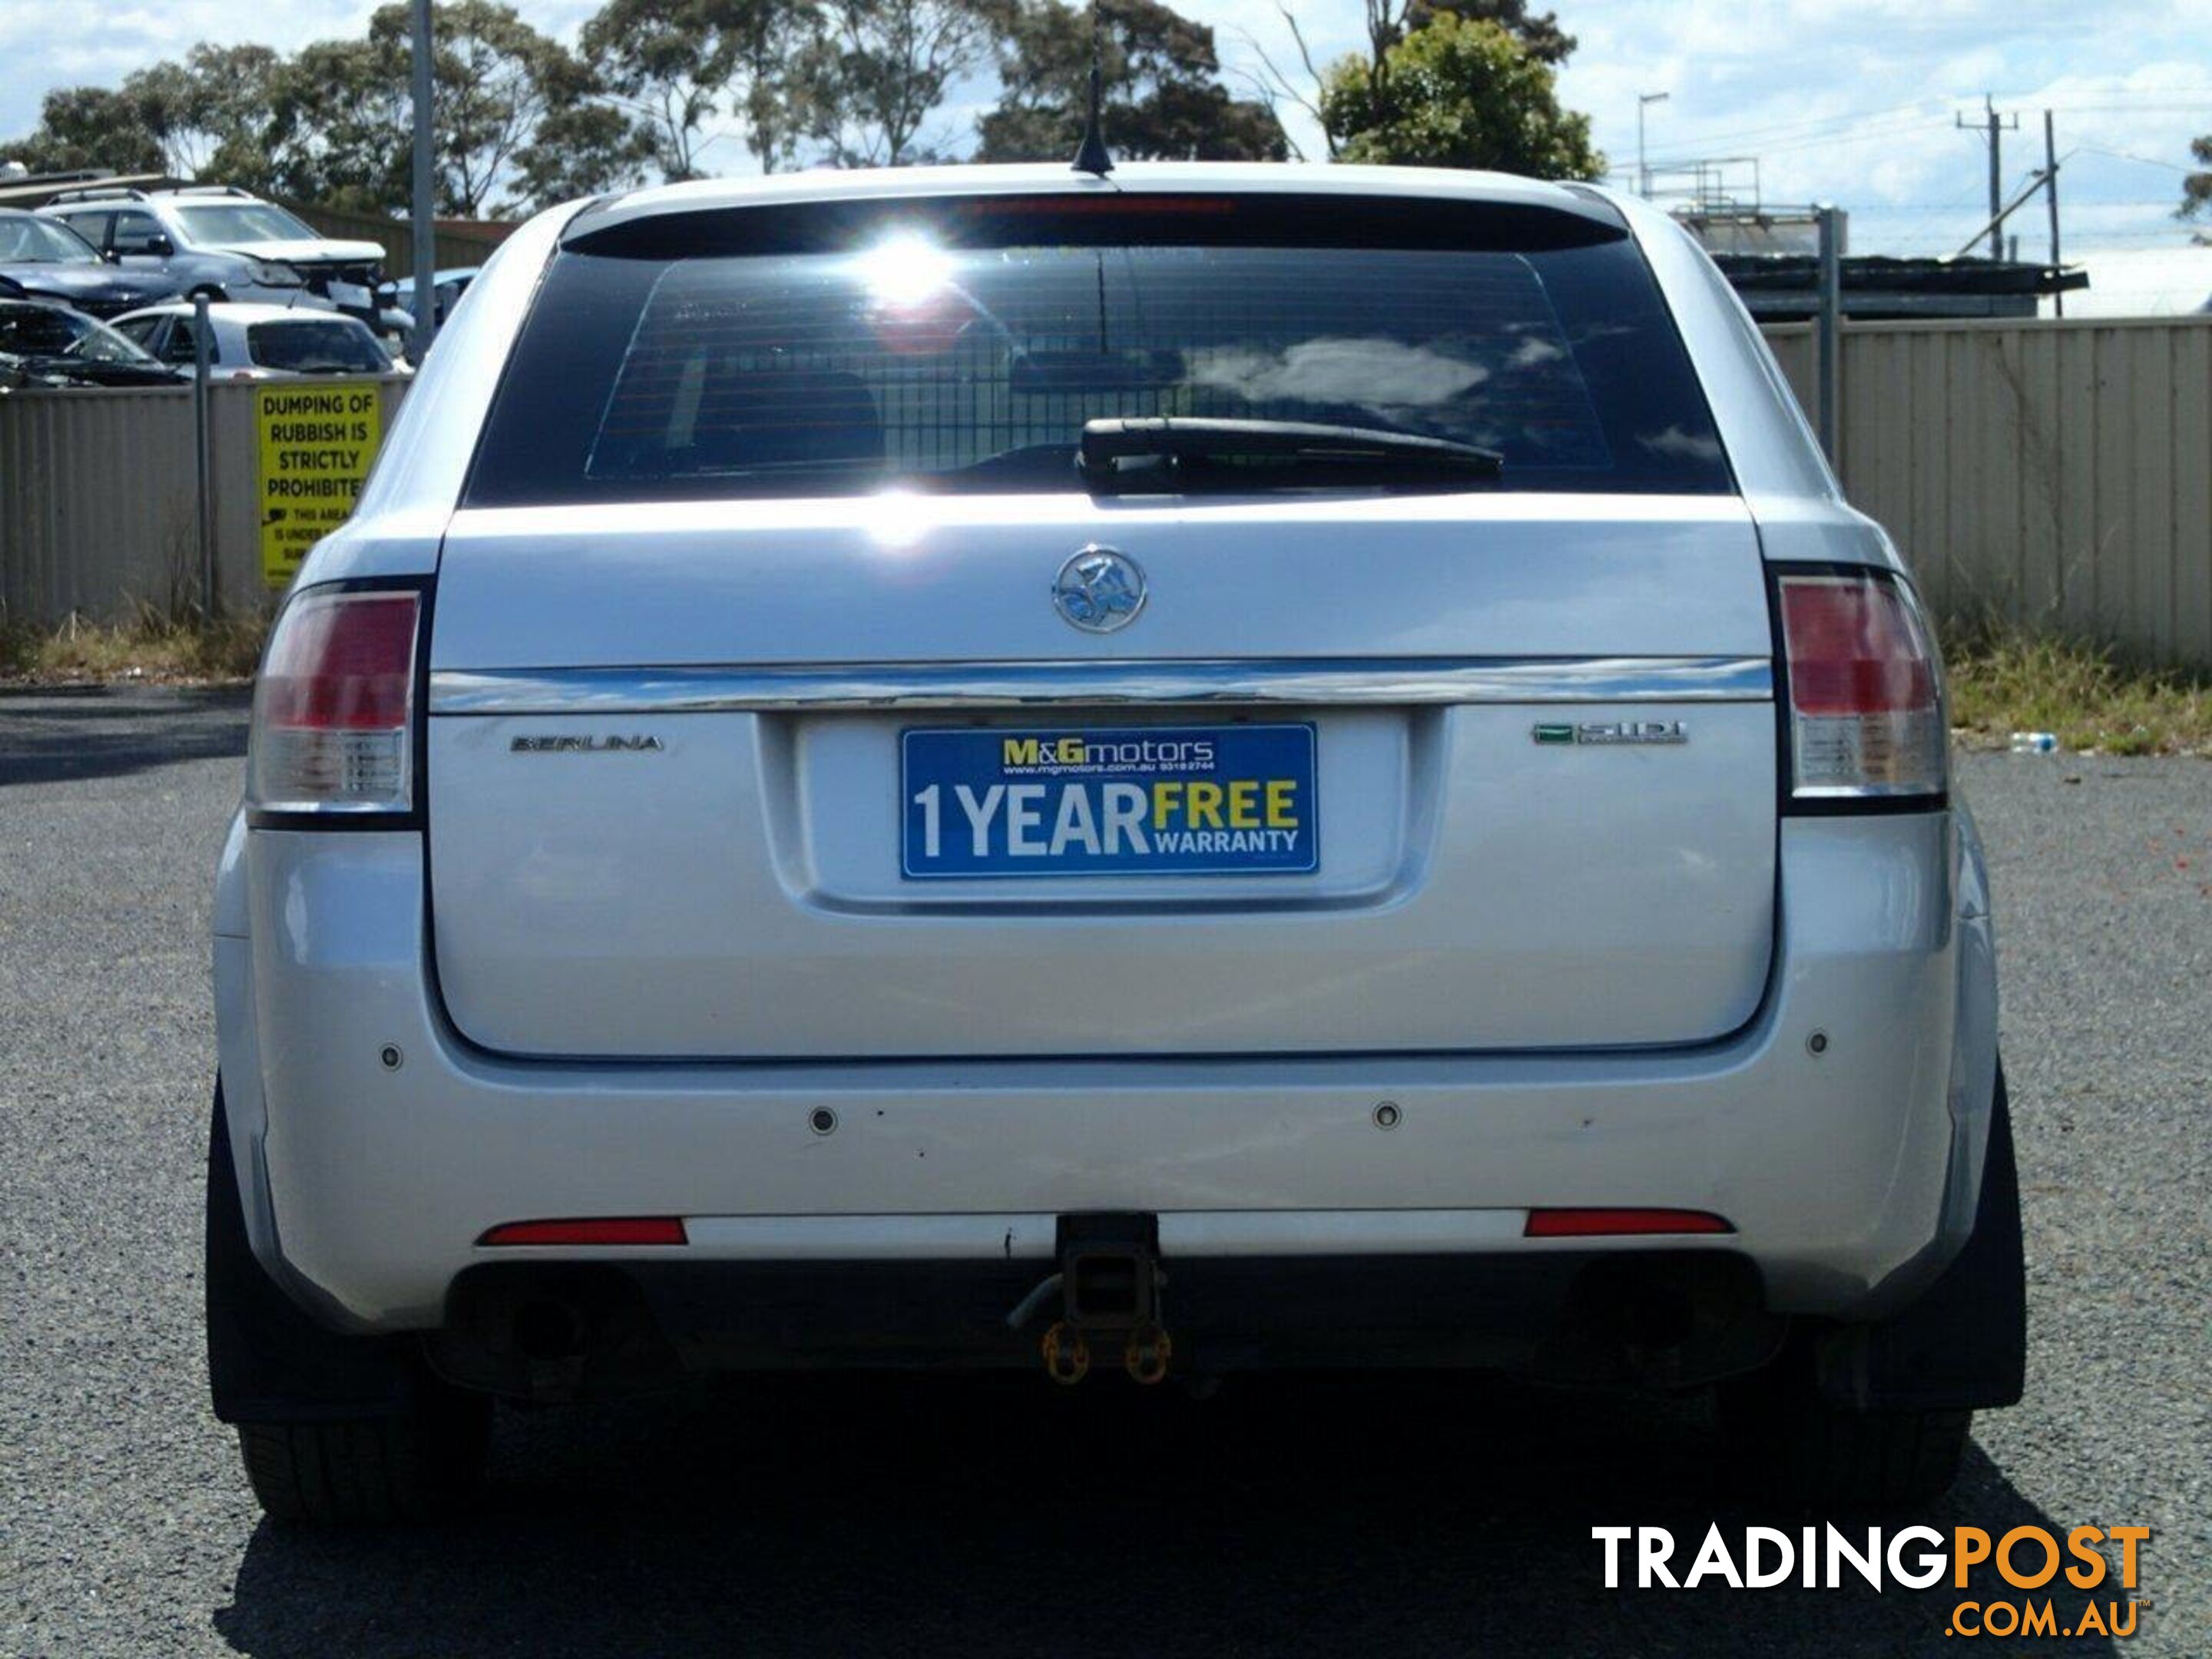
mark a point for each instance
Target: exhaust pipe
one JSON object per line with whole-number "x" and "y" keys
{"x": 546, "y": 1331}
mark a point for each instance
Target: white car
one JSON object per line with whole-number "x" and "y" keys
{"x": 1211, "y": 768}
{"x": 227, "y": 244}
{"x": 259, "y": 342}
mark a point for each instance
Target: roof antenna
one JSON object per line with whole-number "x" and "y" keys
{"x": 1091, "y": 157}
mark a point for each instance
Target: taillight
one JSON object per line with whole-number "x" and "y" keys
{"x": 333, "y": 710}
{"x": 1866, "y": 695}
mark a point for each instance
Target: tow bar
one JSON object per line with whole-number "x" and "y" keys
{"x": 1109, "y": 1282}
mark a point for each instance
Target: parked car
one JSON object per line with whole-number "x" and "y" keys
{"x": 45, "y": 344}
{"x": 40, "y": 259}
{"x": 227, "y": 244}
{"x": 448, "y": 285}
{"x": 982, "y": 767}
{"x": 260, "y": 343}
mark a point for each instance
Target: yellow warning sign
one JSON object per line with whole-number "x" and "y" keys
{"x": 317, "y": 439}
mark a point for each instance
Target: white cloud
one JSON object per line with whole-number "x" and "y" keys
{"x": 1848, "y": 100}
{"x": 1380, "y": 373}
{"x": 1854, "y": 100}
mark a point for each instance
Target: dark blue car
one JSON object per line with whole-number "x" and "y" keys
{"x": 41, "y": 258}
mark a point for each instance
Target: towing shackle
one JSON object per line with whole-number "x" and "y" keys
{"x": 1109, "y": 1283}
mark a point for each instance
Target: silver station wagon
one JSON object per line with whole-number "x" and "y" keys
{"x": 1141, "y": 776}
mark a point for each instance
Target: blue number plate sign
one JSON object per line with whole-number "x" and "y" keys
{"x": 1150, "y": 801}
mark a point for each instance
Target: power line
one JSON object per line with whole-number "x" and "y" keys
{"x": 1849, "y": 128}
{"x": 1853, "y": 136}
{"x": 1930, "y": 208}
{"x": 1816, "y": 130}
{"x": 1848, "y": 117}
{"x": 2146, "y": 160}
{"x": 1860, "y": 134}
{"x": 1854, "y": 131}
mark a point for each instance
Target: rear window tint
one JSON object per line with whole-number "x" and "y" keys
{"x": 910, "y": 351}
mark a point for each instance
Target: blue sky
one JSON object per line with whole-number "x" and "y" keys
{"x": 1850, "y": 101}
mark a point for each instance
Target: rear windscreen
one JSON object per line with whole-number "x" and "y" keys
{"x": 937, "y": 351}
{"x": 335, "y": 346}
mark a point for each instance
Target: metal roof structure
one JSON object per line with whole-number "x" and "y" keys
{"x": 1785, "y": 288}
{"x": 37, "y": 189}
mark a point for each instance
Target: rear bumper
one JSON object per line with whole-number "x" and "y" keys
{"x": 367, "y": 1182}
{"x": 1651, "y": 1318}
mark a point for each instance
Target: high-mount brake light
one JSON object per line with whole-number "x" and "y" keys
{"x": 1122, "y": 205}
{"x": 333, "y": 709}
{"x": 1866, "y": 700}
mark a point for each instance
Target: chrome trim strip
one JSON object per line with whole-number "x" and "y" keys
{"x": 1033, "y": 684}
{"x": 1025, "y": 1237}
{"x": 971, "y": 1237}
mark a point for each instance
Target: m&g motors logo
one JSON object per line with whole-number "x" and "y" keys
{"x": 2025, "y": 1559}
{"x": 1060, "y": 754}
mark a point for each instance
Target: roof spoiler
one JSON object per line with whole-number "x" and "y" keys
{"x": 1534, "y": 219}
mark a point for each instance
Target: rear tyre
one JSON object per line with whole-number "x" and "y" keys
{"x": 333, "y": 1429}
{"x": 367, "y": 1470}
{"x": 1887, "y": 1425}
{"x": 1791, "y": 1444}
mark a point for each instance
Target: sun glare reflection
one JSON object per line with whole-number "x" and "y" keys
{"x": 894, "y": 521}
{"x": 905, "y": 271}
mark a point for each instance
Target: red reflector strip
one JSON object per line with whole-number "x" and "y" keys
{"x": 1606, "y": 1224}
{"x": 602, "y": 1229}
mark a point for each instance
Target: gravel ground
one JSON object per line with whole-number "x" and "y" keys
{"x": 1012, "y": 1519}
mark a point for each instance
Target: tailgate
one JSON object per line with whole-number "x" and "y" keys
{"x": 1524, "y": 747}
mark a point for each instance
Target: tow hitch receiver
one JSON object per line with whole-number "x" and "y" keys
{"x": 1109, "y": 1288}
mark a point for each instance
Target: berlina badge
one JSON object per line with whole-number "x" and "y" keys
{"x": 1099, "y": 590}
{"x": 568, "y": 744}
{"x": 1611, "y": 732}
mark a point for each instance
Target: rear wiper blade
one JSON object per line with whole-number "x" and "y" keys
{"x": 1157, "y": 451}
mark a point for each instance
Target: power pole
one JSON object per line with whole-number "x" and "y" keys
{"x": 2050, "y": 193}
{"x": 1828, "y": 324}
{"x": 202, "y": 355}
{"x": 1996, "y": 126}
{"x": 1643, "y": 101}
{"x": 426, "y": 224}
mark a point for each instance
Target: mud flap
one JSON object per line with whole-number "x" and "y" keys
{"x": 1963, "y": 1342}
{"x": 268, "y": 1360}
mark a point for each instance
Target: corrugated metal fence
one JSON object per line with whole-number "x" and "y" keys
{"x": 2058, "y": 474}
{"x": 2055, "y": 474}
{"x": 98, "y": 512}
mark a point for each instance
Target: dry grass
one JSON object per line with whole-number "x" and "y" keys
{"x": 2004, "y": 680}
{"x": 153, "y": 645}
